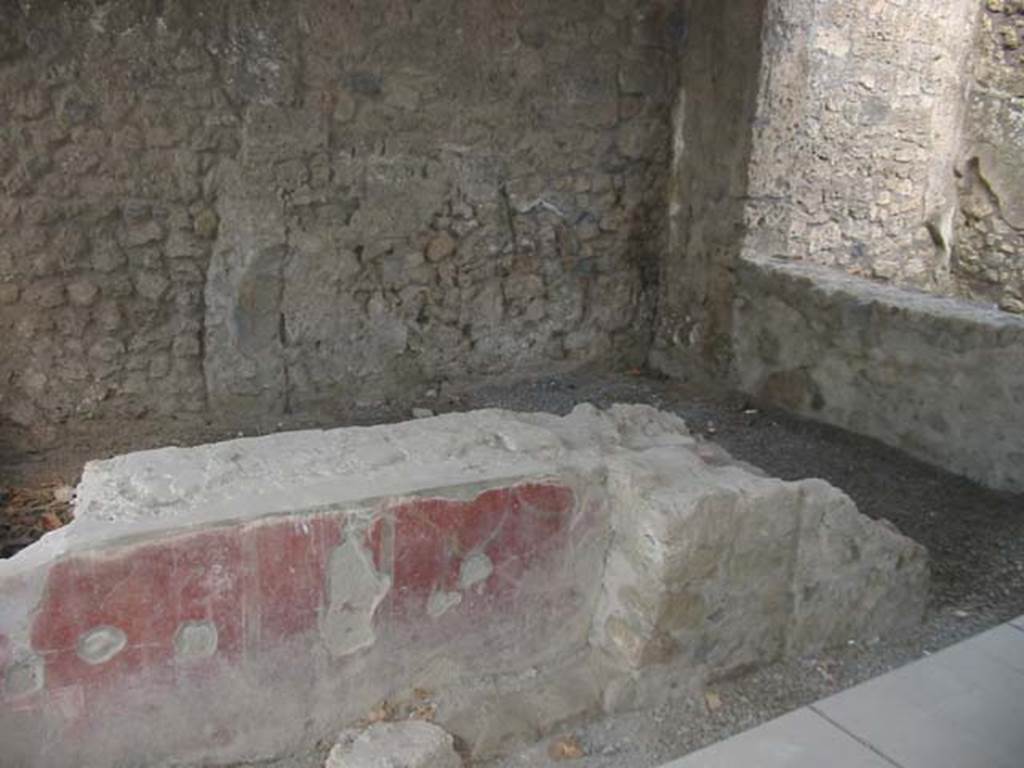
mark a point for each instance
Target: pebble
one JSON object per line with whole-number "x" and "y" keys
{"x": 63, "y": 494}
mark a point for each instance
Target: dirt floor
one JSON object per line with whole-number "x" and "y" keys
{"x": 975, "y": 537}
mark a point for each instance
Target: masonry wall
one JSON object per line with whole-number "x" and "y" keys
{"x": 245, "y": 210}
{"x": 936, "y": 377}
{"x": 255, "y": 207}
{"x": 834, "y": 141}
{"x": 711, "y": 148}
{"x": 858, "y": 134}
{"x": 988, "y": 257}
{"x": 888, "y": 143}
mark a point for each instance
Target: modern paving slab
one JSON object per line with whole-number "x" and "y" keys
{"x": 963, "y": 706}
{"x": 800, "y": 739}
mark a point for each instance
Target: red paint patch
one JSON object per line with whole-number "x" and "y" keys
{"x": 259, "y": 585}
{"x": 513, "y": 527}
{"x": 288, "y": 582}
{"x": 265, "y": 583}
{"x": 129, "y": 592}
{"x": 208, "y": 585}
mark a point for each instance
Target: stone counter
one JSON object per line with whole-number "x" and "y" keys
{"x": 241, "y": 600}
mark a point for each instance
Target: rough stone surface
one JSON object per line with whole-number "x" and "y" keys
{"x": 940, "y": 379}
{"x": 745, "y": 569}
{"x": 246, "y": 208}
{"x": 409, "y": 744}
{"x": 883, "y": 139}
{"x": 867, "y": 100}
{"x": 237, "y": 600}
{"x": 713, "y": 120}
{"x": 261, "y": 209}
{"x": 988, "y": 257}
{"x": 837, "y": 141}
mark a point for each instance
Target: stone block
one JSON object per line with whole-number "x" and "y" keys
{"x": 235, "y": 601}
{"x": 896, "y": 365}
{"x": 719, "y": 568}
{"x": 410, "y": 744}
{"x": 224, "y": 597}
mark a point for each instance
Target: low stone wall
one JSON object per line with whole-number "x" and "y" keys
{"x": 242, "y": 600}
{"x": 938, "y": 378}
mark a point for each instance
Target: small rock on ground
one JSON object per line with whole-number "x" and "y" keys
{"x": 408, "y": 744}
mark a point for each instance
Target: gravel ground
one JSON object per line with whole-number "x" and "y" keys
{"x": 975, "y": 537}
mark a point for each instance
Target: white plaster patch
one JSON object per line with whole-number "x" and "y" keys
{"x": 100, "y": 644}
{"x": 440, "y": 603}
{"x": 354, "y": 590}
{"x": 195, "y": 640}
{"x": 475, "y": 569}
{"x": 24, "y": 677}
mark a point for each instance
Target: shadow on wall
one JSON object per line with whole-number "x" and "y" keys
{"x": 713, "y": 136}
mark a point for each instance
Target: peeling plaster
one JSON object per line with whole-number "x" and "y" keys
{"x": 354, "y": 590}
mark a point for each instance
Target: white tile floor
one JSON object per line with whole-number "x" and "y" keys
{"x": 960, "y": 708}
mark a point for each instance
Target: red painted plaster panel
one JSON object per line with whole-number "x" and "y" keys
{"x": 265, "y": 583}
{"x": 514, "y": 527}
{"x": 287, "y": 563}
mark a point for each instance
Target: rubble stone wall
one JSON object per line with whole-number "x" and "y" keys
{"x": 246, "y": 210}
{"x": 988, "y": 256}
{"x": 711, "y": 150}
{"x": 832, "y": 135}
{"x": 246, "y": 207}
{"x": 858, "y": 132}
